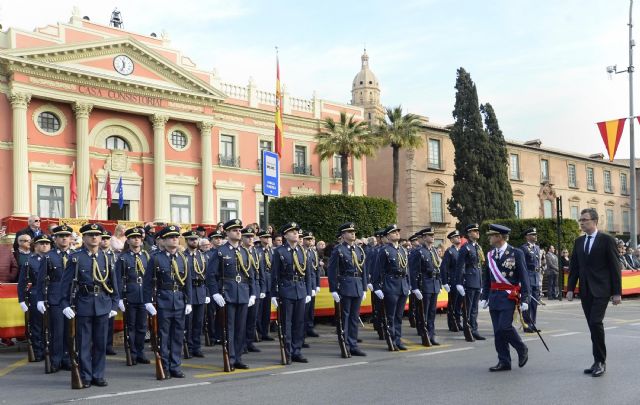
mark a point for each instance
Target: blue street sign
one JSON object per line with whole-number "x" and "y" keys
{"x": 270, "y": 174}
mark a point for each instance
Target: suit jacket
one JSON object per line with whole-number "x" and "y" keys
{"x": 599, "y": 271}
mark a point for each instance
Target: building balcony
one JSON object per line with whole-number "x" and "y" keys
{"x": 302, "y": 169}
{"x": 337, "y": 174}
{"x": 229, "y": 161}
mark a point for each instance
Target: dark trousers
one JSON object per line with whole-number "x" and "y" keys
{"x": 110, "y": 334}
{"x": 553, "y": 285}
{"x": 236, "y": 326}
{"x": 57, "y": 337}
{"x": 394, "y": 306}
{"x": 92, "y": 345}
{"x": 309, "y": 317}
{"x": 137, "y": 322}
{"x": 429, "y": 302}
{"x": 375, "y": 316}
{"x": 531, "y": 315}
{"x": 505, "y": 335}
{"x": 472, "y": 296}
{"x": 264, "y": 316}
{"x": 252, "y": 319}
{"x": 457, "y": 305}
{"x": 195, "y": 322}
{"x": 351, "y": 319}
{"x": 35, "y": 324}
{"x": 171, "y": 332}
{"x": 292, "y": 312}
{"x": 212, "y": 309}
{"x": 594, "y": 309}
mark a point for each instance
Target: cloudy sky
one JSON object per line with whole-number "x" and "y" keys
{"x": 540, "y": 63}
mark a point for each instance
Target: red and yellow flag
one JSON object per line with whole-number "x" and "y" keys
{"x": 611, "y": 131}
{"x": 278, "y": 110}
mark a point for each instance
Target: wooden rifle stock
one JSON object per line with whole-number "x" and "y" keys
{"x": 384, "y": 323}
{"x": 340, "y": 331}
{"x": 283, "y": 353}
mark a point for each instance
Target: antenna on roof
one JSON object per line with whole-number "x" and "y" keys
{"x": 116, "y": 19}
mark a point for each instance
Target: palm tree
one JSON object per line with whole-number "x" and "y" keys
{"x": 346, "y": 138}
{"x": 399, "y": 131}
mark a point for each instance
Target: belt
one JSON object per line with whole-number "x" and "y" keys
{"x": 137, "y": 280}
{"x": 514, "y": 290}
{"x": 90, "y": 289}
{"x": 171, "y": 287}
{"x": 397, "y": 275}
{"x": 238, "y": 279}
{"x": 295, "y": 278}
{"x": 350, "y": 275}
{"x": 198, "y": 283}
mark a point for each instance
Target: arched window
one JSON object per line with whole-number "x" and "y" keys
{"x": 117, "y": 143}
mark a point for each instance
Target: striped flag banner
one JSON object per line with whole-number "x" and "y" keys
{"x": 278, "y": 118}
{"x": 611, "y": 132}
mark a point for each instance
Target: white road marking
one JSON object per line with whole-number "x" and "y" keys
{"x": 309, "y": 370}
{"x": 566, "y": 334}
{"x": 635, "y": 324}
{"x": 118, "y": 394}
{"x": 441, "y": 351}
{"x": 610, "y": 327}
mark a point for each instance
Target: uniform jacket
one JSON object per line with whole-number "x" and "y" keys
{"x": 532, "y": 260}
{"x": 448, "y": 265}
{"x": 423, "y": 272}
{"x": 226, "y": 277}
{"x": 468, "y": 273}
{"x": 52, "y": 265}
{"x": 286, "y": 281}
{"x": 266, "y": 259}
{"x": 513, "y": 268}
{"x": 392, "y": 270}
{"x": 130, "y": 275}
{"x": 198, "y": 270}
{"x": 171, "y": 293}
{"x": 313, "y": 264}
{"x": 346, "y": 277}
{"x": 29, "y": 274}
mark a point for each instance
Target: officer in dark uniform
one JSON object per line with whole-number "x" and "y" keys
{"x": 27, "y": 288}
{"x": 105, "y": 246}
{"x": 447, "y": 275}
{"x": 90, "y": 273}
{"x": 291, "y": 288}
{"x": 424, "y": 271}
{"x": 258, "y": 285}
{"x": 468, "y": 276}
{"x": 347, "y": 273}
{"x": 170, "y": 270}
{"x": 50, "y": 276}
{"x": 506, "y": 284}
{"x": 199, "y": 294}
{"x": 391, "y": 282}
{"x": 532, "y": 259}
{"x": 370, "y": 264}
{"x": 266, "y": 256}
{"x": 230, "y": 281}
{"x": 314, "y": 278}
{"x": 130, "y": 268}
{"x": 215, "y": 326}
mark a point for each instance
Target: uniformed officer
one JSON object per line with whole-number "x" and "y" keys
{"x": 391, "y": 282}
{"x": 49, "y": 293}
{"x": 424, "y": 270}
{"x": 230, "y": 281}
{"x": 532, "y": 259}
{"x": 27, "y": 288}
{"x": 308, "y": 243}
{"x": 215, "y": 323}
{"x": 347, "y": 274}
{"x": 199, "y": 294}
{"x": 258, "y": 285}
{"x": 370, "y": 264}
{"x": 91, "y": 278}
{"x": 468, "y": 276}
{"x": 505, "y": 285}
{"x": 105, "y": 245}
{"x": 266, "y": 256}
{"x": 169, "y": 269}
{"x": 415, "y": 241}
{"x": 291, "y": 288}
{"x": 447, "y": 275}
{"x": 130, "y": 267}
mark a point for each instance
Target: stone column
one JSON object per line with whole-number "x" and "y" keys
{"x": 207, "y": 174}
{"x": 161, "y": 209}
{"x": 83, "y": 173}
{"x": 19, "y": 104}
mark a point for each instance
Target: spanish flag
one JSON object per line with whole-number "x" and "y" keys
{"x": 611, "y": 132}
{"x": 278, "y": 110}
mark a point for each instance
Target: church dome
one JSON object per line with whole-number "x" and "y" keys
{"x": 365, "y": 77}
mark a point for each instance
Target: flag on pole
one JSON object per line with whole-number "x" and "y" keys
{"x": 120, "y": 194}
{"x": 611, "y": 132}
{"x": 278, "y": 133}
{"x": 107, "y": 186}
{"x": 91, "y": 190}
{"x": 73, "y": 186}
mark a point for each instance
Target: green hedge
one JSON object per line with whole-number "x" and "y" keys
{"x": 323, "y": 214}
{"x": 546, "y": 228}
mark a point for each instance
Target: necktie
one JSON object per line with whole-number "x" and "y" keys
{"x": 64, "y": 260}
{"x": 587, "y": 246}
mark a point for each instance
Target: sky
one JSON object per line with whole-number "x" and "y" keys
{"x": 541, "y": 64}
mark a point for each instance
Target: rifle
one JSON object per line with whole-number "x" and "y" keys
{"x": 451, "y": 321}
{"x": 153, "y": 329}
{"x": 76, "y": 382}
{"x": 125, "y": 316}
{"x": 283, "y": 353}
{"x": 340, "y": 331}
{"x": 185, "y": 345}
{"x": 468, "y": 336}
{"x": 45, "y": 321}
{"x": 384, "y": 324}
{"x": 27, "y": 326}
{"x": 421, "y": 321}
{"x": 205, "y": 326}
{"x": 226, "y": 361}
{"x": 412, "y": 311}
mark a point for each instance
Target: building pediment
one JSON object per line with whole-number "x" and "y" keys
{"x": 436, "y": 183}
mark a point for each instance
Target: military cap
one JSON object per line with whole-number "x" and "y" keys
{"x": 425, "y": 231}
{"x": 263, "y": 234}
{"x": 42, "y": 238}
{"x": 307, "y": 235}
{"x": 379, "y": 233}
{"x": 215, "y": 234}
{"x": 62, "y": 230}
{"x": 169, "y": 230}
{"x": 129, "y": 233}
{"x": 389, "y": 229}
{"x": 413, "y": 237}
{"x": 233, "y": 224}
{"x": 496, "y": 229}
{"x": 347, "y": 227}
{"x": 92, "y": 229}
{"x": 530, "y": 231}
{"x": 106, "y": 234}
{"x": 471, "y": 227}
{"x": 248, "y": 231}
{"x": 453, "y": 234}
{"x": 289, "y": 227}
{"x": 190, "y": 235}
{"x": 200, "y": 228}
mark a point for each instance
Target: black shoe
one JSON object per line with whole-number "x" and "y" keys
{"x": 217, "y": 342}
{"x": 528, "y": 330}
{"x": 288, "y": 361}
{"x": 434, "y": 342}
{"x": 111, "y": 352}
{"x": 590, "y": 369}
{"x": 197, "y": 354}
{"x": 134, "y": 362}
{"x": 245, "y": 351}
{"x": 598, "y": 369}
{"x": 400, "y": 346}
{"x": 357, "y": 352}
{"x": 177, "y": 374}
{"x": 253, "y": 349}
{"x": 299, "y": 359}
{"x": 54, "y": 369}
{"x": 99, "y": 382}
{"x": 500, "y": 367}
{"x": 359, "y": 340}
{"x": 523, "y": 357}
{"x": 39, "y": 359}
{"x": 143, "y": 360}
{"x": 86, "y": 384}
{"x": 268, "y": 338}
{"x": 459, "y": 326}
{"x": 66, "y": 367}
{"x": 240, "y": 366}
{"x": 478, "y": 337}
{"x": 305, "y": 345}
{"x": 312, "y": 333}
{"x": 167, "y": 375}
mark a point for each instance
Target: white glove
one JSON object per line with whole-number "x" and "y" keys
{"x": 417, "y": 293}
{"x": 317, "y": 290}
{"x": 484, "y": 304}
{"x": 207, "y": 300}
{"x": 364, "y": 296}
{"x": 370, "y": 287}
{"x": 379, "y": 294}
{"x": 188, "y": 309}
{"x": 112, "y": 314}
{"x": 274, "y": 302}
{"x": 150, "y": 308}
{"x": 524, "y": 306}
{"x": 335, "y": 296}
{"x": 313, "y": 293}
{"x": 217, "y": 298}
{"x": 68, "y": 312}
{"x": 307, "y": 299}
{"x": 41, "y": 307}
{"x": 23, "y": 306}
{"x": 252, "y": 300}
{"x": 460, "y": 290}
{"x": 121, "y": 305}
{"x": 446, "y": 287}
{"x": 262, "y": 295}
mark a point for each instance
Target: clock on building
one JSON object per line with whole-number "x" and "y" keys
{"x": 123, "y": 64}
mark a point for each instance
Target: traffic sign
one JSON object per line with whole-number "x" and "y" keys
{"x": 270, "y": 174}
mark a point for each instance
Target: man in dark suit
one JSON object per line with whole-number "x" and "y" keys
{"x": 594, "y": 262}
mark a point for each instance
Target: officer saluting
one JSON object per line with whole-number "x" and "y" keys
{"x": 292, "y": 288}
{"x": 90, "y": 273}
{"x": 532, "y": 259}
{"x": 169, "y": 269}
{"x": 348, "y": 282}
{"x": 468, "y": 276}
{"x": 199, "y": 294}
{"x": 506, "y": 285}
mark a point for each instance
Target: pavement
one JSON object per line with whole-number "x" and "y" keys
{"x": 456, "y": 372}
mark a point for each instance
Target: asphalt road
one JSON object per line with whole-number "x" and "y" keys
{"x": 454, "y": 373}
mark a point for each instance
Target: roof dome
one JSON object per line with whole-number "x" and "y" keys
{"x": 365, "y": 77}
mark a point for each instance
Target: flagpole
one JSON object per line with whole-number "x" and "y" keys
{"x": 104, "y": 186}
{"x": 632, "y": 158}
